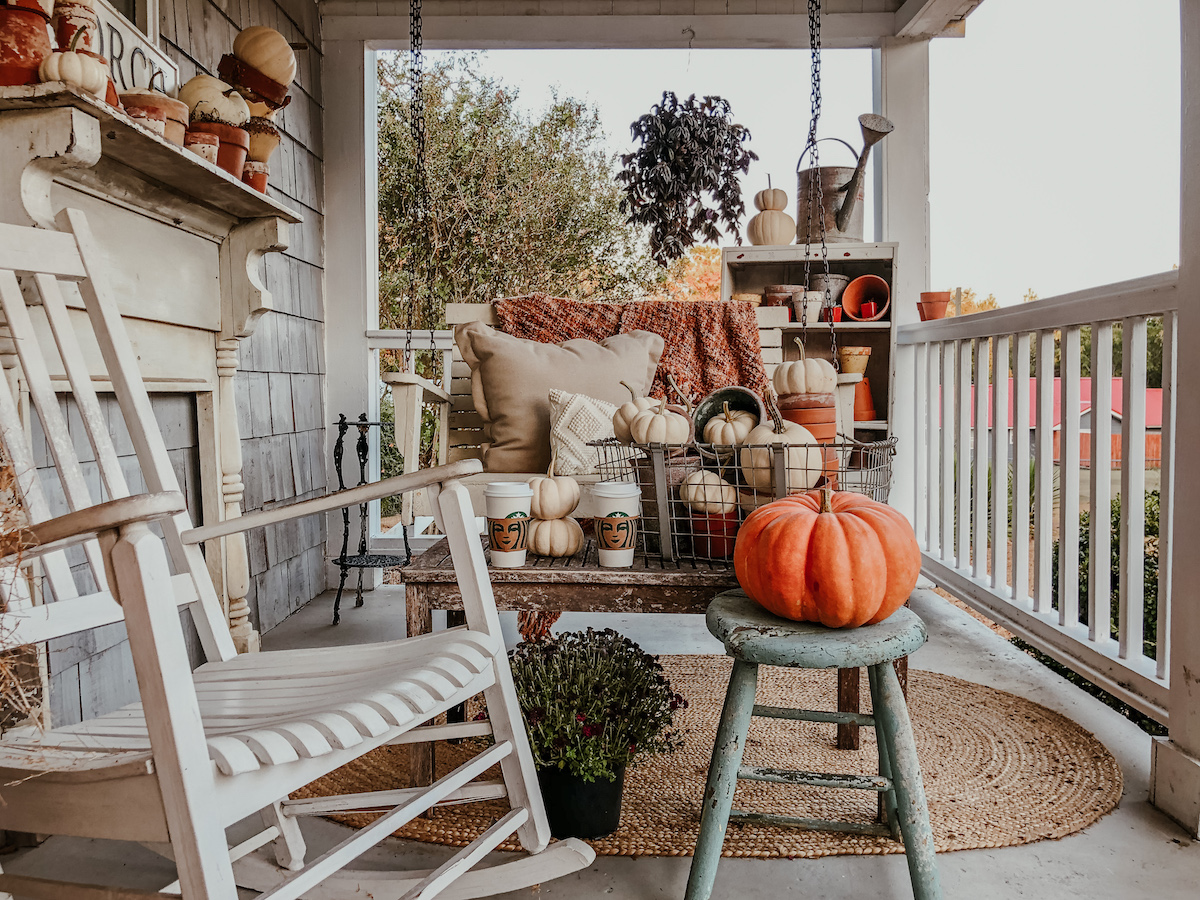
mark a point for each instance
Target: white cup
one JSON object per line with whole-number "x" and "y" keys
{"x": 507, "y": 504}
{"x": 618, "y": 504}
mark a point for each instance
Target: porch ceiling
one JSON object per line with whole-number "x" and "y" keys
{"x": 642, "y": 24}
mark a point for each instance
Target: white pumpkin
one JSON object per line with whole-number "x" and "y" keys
{"x": 627, "y": 412}
{"x": 554, "y": 496}
{"x": 804, "y": 460}
{"x": 771, "y": 227}
{"x": 555, "y": 537}
{"x": 709, "y": 493}
{"x": 771, "y": 198}
{"x": 211, "y": 100}
{"x": 729, "y": 428}
{"x": 88, "y": 73}
{"x": 805, "y": 376}
{"x": 660, "y": 426}
{"x": 268, "y": 51}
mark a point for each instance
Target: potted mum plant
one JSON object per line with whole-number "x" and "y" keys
{"x": 594, "y": 703}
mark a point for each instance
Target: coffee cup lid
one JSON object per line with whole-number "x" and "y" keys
{"x": 616, "y": 489}
{"x": 507, "y": 489}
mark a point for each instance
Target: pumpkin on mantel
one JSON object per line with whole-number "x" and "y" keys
{"x": 76, "y": 68}
{"x": 772, "y": 226}
{"x": 211, "y": 100}
{"x": 837, "y": 558}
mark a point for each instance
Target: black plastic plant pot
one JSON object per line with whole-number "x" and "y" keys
{"x": 578, "y": 808}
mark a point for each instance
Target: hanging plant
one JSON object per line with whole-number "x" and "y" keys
{"x": 690, "y": 151}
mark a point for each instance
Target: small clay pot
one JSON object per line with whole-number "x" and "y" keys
{"x": 833, "y": 314}
{"x": 24, "y": 41}
{"x": 864, "y": 406}
{"x": 816, "y": 412}
{"x": 836, "y": 283}
{"x": 154, "y": 120}
{"x": 71, "y": 16}
{"x": 235, "y": 143}
{"x": 863, "y": 290}
{"x": 933, "y": 305}
{"x": 203, "y": 144}
{"x": 255, "y": 174}
{"x": 176, "y": 112}
{"x": 854, "y": 360}
{"x": 810, "y": 300}
{"x": 264, "y": 138}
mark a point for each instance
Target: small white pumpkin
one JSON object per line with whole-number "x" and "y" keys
{"x": 268, "y": 51}
{"x": 805, "y": 376}
{"x": 804, "y": 459}
{"x": 729, "y": 428}
{"x": 771, "y": 227}
{"x": 660, "y": 426}
{"x": 627, "y": 412}
{"x": 88, "y": 73}
{"x": 707, "y": 492}
{"x": 211, "y": 100}
{"x": 555, "y": 537}
{"x": 771, "y": 198}
{"x": 554, "y": 496}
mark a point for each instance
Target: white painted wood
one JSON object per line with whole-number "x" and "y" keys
{"x": 920, "y": 408}
{"x": 947, "y": 430}
{"x": 962, "y": 510}
{"x": 933, "y": 18}
{"x": 931, "y": 446}
{"x": 1100, "y": 487}
{"x": 1021, "y": 433}
{"x": 980, "y": 461}
{"x": 1166, "y": 500}
{"x": 1043, "y": 503}
{"x": 456, "y": 865}
{"x": 1000, "y": 461}
{"x": 380, "y": 801}
{"x": 1068, "y": 521}
{"x": 1133, "y": 486}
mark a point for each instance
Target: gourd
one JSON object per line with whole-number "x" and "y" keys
{"x": 729, "y": 427}
{"x": 627, "y": 412}
{"x": 707, "y": 492}
{"x": 88, "y": 73}
{"x": 555, "y": 537}
{"x": 660, "y": 426}
{"x": 805, "y": 376}
{"x": 268, "y": 51}
{"x": 554, "y": 496}
{"x": 840, "y": 559}
{"x": 772, "y": 225}
{"x": 212, "y": 100}
{"x": 803, "y": 463}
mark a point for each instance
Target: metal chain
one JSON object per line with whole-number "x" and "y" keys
{"x": 420, "y": 199}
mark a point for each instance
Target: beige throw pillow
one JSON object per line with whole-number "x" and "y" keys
{"x": 576, "y": 419}
{"x": 511, "y": 380}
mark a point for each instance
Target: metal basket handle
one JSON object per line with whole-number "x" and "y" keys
{"x": 804, "y": 152}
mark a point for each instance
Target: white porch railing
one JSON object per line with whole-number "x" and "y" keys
{"x": 959, "y": 375}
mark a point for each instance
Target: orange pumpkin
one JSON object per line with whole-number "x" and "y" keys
{"x": 840, "y": 559}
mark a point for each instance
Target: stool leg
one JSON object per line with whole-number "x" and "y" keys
{"x": 887, "y": 799}
{"x": 894, "y": 727}
{"x": 722, "y": 778}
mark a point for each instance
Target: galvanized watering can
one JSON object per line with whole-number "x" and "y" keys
{"x": 841, "y": 207}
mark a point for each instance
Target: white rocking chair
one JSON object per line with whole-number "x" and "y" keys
{"x": 206, "y": 749}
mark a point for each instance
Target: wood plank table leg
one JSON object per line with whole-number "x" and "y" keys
{"x": 847, "y": 735}
{"x": 419, "y": 619}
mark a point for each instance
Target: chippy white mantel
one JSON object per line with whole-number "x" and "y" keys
{"x": 184, "y": 242}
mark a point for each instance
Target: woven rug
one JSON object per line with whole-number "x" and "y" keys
{"x": 999, "y": 771}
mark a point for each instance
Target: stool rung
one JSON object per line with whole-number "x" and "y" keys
{"x": 754, "y": 818}
{"x": 813, "y": 715}
{"x": 815, "y": 779}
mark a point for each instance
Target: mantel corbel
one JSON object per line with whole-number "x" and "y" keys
{"x": 36, "y": 145}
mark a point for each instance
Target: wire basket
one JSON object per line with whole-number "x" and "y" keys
{"x": 696, "y": 495}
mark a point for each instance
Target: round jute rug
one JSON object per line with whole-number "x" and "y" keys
{"x": 999, "y": 770}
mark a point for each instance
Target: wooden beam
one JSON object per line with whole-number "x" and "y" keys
{"x": 933, "y": 18}
{"x": 45, "y": 889}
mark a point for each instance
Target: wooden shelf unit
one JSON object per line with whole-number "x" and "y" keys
{"x": 750, "y": 269}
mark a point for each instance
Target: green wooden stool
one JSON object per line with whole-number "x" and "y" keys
{"x": 755, "y": 637}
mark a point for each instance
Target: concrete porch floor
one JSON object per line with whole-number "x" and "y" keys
{"x": 1133, "y": 852}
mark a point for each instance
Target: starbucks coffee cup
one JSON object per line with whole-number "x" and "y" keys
{"x": 507, "y": 506}
{"x": 617, "y": 506}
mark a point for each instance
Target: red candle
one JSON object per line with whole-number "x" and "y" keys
{"x": 867, "y": 311}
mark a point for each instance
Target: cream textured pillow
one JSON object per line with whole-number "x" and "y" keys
{"x": 511, "y": 380}
{"x": 576, "y": 419}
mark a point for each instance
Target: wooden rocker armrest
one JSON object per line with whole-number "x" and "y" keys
{"x": 389, "y": 487}
{"x": 74, "y": 527}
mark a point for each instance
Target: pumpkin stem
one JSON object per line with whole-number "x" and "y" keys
{"x": 632, "y": 392}
{"x": 726, "y": 406}
{"x": 675, "y": 387}
{"x": 773, "y": 411}
{"x": 800, "y": 344}
{"x": 553, "y": 460}
{"x": 75, "y": 39}
{"x": 768, "y": 181}
{"x": 826, "y": 500}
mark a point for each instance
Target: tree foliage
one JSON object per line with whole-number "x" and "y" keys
{"x": 696, "y": 276}
{"x": 518, "y": 203}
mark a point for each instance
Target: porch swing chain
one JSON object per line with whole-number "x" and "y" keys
{"x": 416, "y": 121}
{"x": 816, "y": 200}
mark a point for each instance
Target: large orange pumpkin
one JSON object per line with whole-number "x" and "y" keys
{"x": 837, "y": 558}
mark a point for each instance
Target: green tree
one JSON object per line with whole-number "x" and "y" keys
{"x": 518, "y": 204}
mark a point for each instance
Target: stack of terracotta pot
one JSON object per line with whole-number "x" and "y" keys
{"x": 28, "y": 57}
{"x": 261, "y": 68}
{"x": 806, "y": 392}
{"x": 217, "y": 109}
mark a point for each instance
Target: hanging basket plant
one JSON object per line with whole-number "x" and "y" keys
{"x": 691, "y": 151}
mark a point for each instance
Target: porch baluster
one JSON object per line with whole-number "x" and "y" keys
{"x": 921, "y": 427}
{"x": 1100, "y": 523}
{"x": 1133, "y": 486}
{"x": 930, "y": 446}
{"x": 1166, "y": 494}
{"x": 1068, "y": 470}
{"x": 1043, "y": 511}
{"x": 1021, "y": 460}
{"x": 963, "y": 458}
{"x": 949, "y": 372}
{"x": 979, "y": 496}
{"x": 1000, "y": 364}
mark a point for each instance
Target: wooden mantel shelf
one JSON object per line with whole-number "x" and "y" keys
{"x": 156, "y": 159}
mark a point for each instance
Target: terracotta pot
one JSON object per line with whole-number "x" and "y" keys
{"x": 235, "y": 143}
{"x": 714, "y": 534}
{"x": 854, "y": 359}
{"x": 255, "y": 174}
{"x": 834, "y": 313}
{"x": 203, "y": 144}
{"x": 69, "y": 17}
{"x": 777, "y": 298}
{"x": 864, "y": 406}
{"x": 154, "y": 120}
{"x": 866, "y": 289}
{"x": 932, "y": 309}
{"x": 264, "y": 138}
{"x": 835, "y": 282}
{"x": 24, "y": 41}
{"x": 935, "y": 297}
{"x": 175, "y": 111}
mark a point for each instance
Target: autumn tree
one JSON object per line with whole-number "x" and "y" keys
{"x": 517, "y": 203}
{"x": 696, "y": 276}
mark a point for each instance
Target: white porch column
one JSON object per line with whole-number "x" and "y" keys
{"x": 351, "y": 252}
{"x": 1175, "y": 770}
{"x": 902, "y": 82}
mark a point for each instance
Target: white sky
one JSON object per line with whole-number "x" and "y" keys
{"x": 1054, "y": 132}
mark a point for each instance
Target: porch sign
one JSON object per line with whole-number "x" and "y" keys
{"x": 134, "y": 60}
